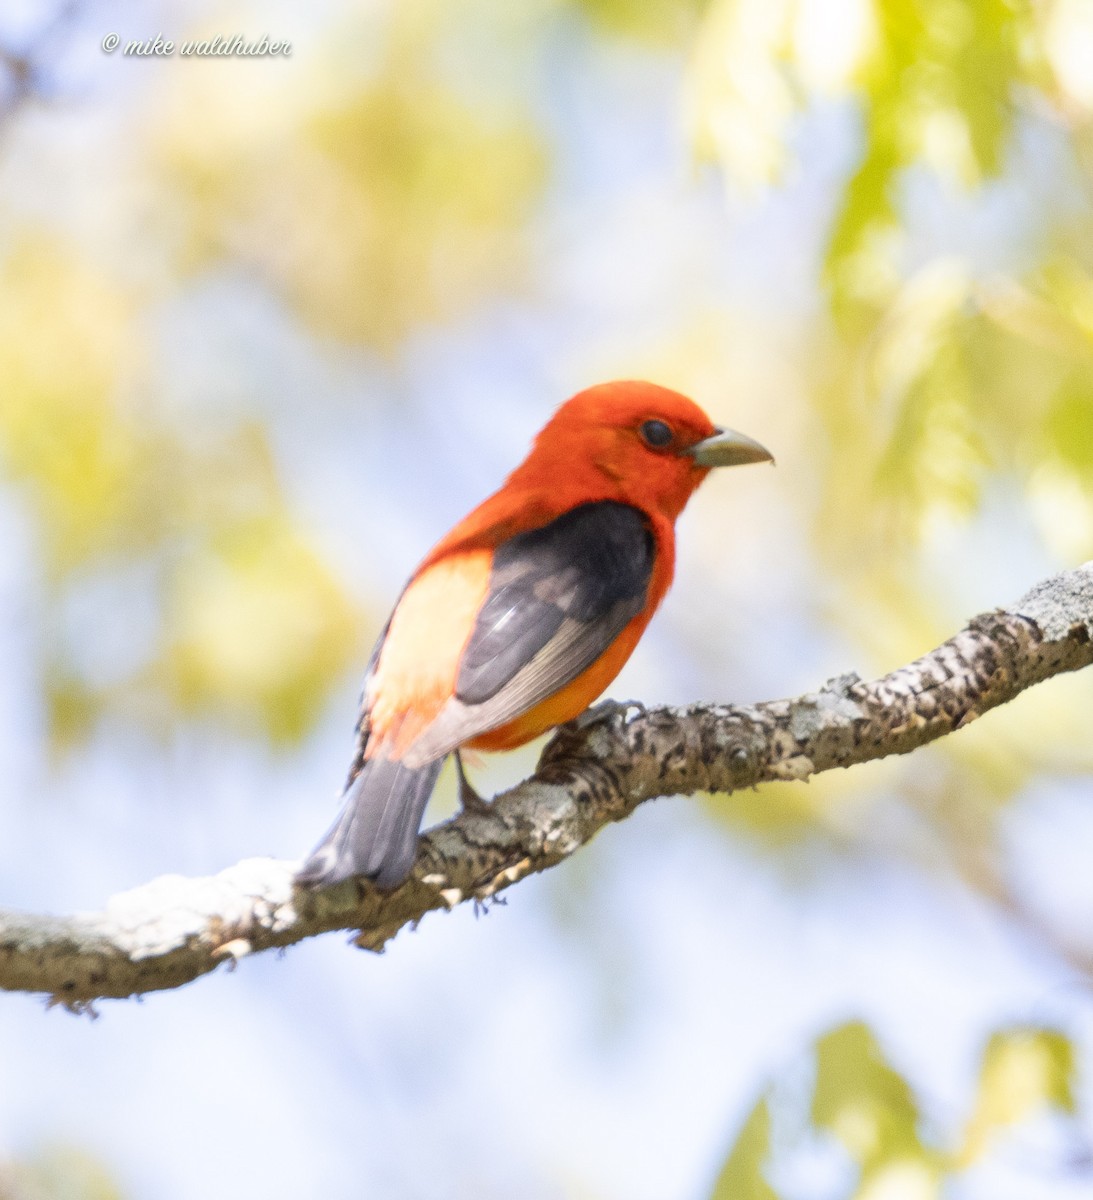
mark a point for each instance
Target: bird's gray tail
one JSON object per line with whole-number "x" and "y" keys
{"x": 375, "y": 834}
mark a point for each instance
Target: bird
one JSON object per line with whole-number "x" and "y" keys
{"x": 522, "y": 615}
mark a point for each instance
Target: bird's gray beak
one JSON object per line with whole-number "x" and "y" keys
{"x": 727, "y": 448}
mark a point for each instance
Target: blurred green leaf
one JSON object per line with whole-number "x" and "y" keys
{"x": 63, "y": 432}
{"x": 58, "y": 1172}
{"x": 1069, "y": 426}
{"x": 1024, "y": 1071}
{"x": 73, "y": 709}
{"x": 391, "y": 202}
{"x": 937, "y": 88}
{"x": 984, "y": 38}
{"x": 742, "y": 1177}
{"x": 658, "y": 22}
{"x": 258, "y": 627}
{"x": 859, "y": 1098}
{"x": 428, "y": 199}
{"x": 113, "y": 484}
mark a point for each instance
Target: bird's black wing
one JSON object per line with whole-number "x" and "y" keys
{"x": 558, "y": 597}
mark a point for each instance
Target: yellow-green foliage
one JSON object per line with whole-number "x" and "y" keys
{"x": 253, "y": 624}
{"x": 869, "y": 1109}
{"x": 379, "y": 194}
{"x": 57, "y": 1172}
{"x": 373, "y": 200}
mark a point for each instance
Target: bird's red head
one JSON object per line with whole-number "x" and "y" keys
{"x": 635, "y": 442}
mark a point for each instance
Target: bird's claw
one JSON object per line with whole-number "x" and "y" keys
{"x": 596, "y": 714}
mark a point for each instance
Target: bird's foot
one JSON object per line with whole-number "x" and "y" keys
{"x": 469, "y": 799}
{"x": 605, "y": 710}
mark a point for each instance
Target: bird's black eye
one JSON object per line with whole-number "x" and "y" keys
{"x": 656, "y": 434}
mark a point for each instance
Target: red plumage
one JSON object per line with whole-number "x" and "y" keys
{"x": 521, "y": 615}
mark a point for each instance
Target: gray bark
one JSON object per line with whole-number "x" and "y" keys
{"x": 597, "y": 770}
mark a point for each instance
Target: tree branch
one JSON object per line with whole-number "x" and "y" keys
{"x": 592, "y": 772}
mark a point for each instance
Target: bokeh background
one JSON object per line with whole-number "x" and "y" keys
{"x": 268, "y": 326}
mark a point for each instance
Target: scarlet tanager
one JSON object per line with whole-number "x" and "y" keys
{"x": 521, "y": 616}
